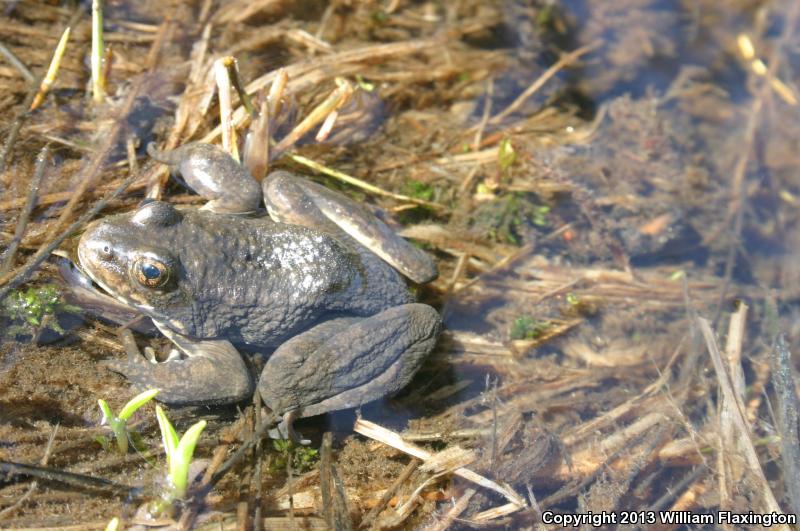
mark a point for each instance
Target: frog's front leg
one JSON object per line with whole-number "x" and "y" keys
{"x": 213, "y": 372}
{"x": 349, "y": 361}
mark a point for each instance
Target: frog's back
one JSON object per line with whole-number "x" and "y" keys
{"x": 259, "y": 282}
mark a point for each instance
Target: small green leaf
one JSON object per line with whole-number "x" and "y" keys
{"x": 136, "y": 402}
{"x": 482, "y": 189}
{"x": 168, "y": 434}
{"x": 677, "y": 275}
{"x": 103, "y": 441}
{"x": 108, "y": 415}
{"x": 364, "y": 84}
{"x": 182, "y": 458}
{"x": 179, "y": 453}
{"x": 526, "y": 327}
{"x": 118, "y": 426}
{"x": 418, "y": 190}
{"x": 540, "y": 215}
{"x": 282, "y": 445}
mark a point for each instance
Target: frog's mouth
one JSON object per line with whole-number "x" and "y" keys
{"x": 91, "y": 296}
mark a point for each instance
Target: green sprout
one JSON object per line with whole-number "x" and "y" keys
{"x": 364, "y": 84}
{"x": 113, "y": 524}
{"x": 677, "y": 275}
{"x": 179, "y": 454}
{"x": 119, "y": 423}
{"x": 34, "y": 308}
{"x": 526, "y": 327}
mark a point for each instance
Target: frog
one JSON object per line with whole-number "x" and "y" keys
{"x": 287, "y": 269}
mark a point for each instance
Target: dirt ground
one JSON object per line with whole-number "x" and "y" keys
{"x": 610, "y": 191}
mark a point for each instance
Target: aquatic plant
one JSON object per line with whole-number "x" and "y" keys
{"x": 119, "y": 423}
{"x": 418, "y": 189}
{"x": 422, "y": 192}
{"x": 526, "y": 327}
{"x": 506, "y": 219}
{"x": 301, "y": 458}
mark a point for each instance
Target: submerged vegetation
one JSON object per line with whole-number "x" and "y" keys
{"x": 609, "y": 187}
{"x": 300, "y": 458}
{"x": 526, "y": 327}
{"x": 31, "y": 310}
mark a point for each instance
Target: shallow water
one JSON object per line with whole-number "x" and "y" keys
{"x": 647, "y": 181}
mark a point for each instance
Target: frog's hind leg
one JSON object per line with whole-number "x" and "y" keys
{"x": 215, "y": 373}
{"x": 292, "y": 199}
{"x": 347, "y": 362}
{"x": 212, "y": 173}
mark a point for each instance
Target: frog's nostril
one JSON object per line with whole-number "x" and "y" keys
{"x": 105, "y": 252}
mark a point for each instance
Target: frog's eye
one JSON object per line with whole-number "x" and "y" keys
{"x": 150, "y": 272}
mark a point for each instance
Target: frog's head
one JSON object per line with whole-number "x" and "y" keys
{"x": 128, "y": 255}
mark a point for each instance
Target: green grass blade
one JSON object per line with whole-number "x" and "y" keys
{"x": 168, "y": 434}
{"x": 136, "y": 402}
{"x": 182, "y": 458}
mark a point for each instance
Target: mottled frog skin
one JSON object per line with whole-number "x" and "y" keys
{"x": 310, "y": 285}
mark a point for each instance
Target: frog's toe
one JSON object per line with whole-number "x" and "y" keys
{"x": 285, "y": 430}
{"x": 133, "y": 363}
{"x": 118, "y": 366}
{"x": 136, "y": 371}
{"x": 218, "y": 376}
{"x": 347, "y": 362}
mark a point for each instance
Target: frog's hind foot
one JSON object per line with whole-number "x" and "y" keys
{"x": 347, "y": 362}
{"x": 292, "y": 199}
{"x": 212, "y": 173}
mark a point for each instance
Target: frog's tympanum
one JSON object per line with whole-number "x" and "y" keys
{"x": 314, "y": 285}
